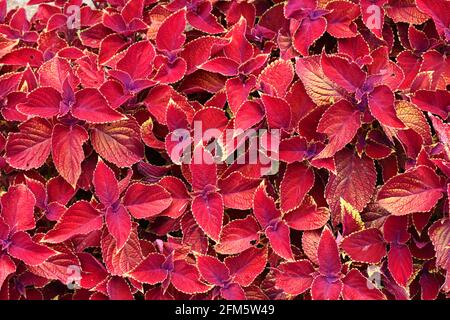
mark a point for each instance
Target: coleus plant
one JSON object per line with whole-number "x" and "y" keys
{"x": 127, "y": 138}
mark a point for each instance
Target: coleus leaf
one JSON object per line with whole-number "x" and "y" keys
{"x": 238, "y": 235}
{"x": 213, "y": 270}
{"x": 354, "y": 182}
{"x": 237, "y": 191}
{"x": 150, "y": 269}
{"x": 105, "y": 184}
{"x": 365, "y": 246}
{"x": 145, "y": 201}
{"x": 67, "y": 151}
{"x": 416, "y": 190}
{"x": 381, "y": 105}
{"x": 121, "y": 261}
{"x": 319, "y": 87}
{"x": 307, "y": 216}
{"x": 340, "y": 122}
{"x": 309, "y": 30}
{"x": 18, "y": 208}
{"x": 170, "y": 35}
{"x": 247, "y": 265}
{"x": 80, "y": 218}
{"x": 277, "y": 75}
{"x": 92, "y": 107}
{"x": 328, "y": 255}
{"x": 350, "y": 218}
{"x": 278, "y": 112}
{"x": 22, "y": 247}
{"x": 400, "y": 263}
{"x": 31, "y": 146}
{"x": 323, "y": 289}
{"x": 358, "y": 287}
{"x": 269, "y": 218}
{"x": 298, "y": 179}
{"x": 118, "y": 289}
{"x": 295, "y": 277}
{"x": 118, "y": 222}
{"x": 118, "y": 142}
{"x": 207, "y": 210}
{"x": 185, "y": 278}
{"x": 347, "y": 75}
{"x": 439, "y": 233}
{"x": 7, "y": 267}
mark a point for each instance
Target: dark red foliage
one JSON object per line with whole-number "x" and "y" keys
{"x": 128, "y": 169}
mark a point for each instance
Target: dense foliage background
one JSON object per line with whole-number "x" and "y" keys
{"x": 98, "y": 204}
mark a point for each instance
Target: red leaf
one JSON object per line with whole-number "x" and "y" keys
{"x": 395, "y": 229}
{"x": 308, "y": 32}
{"x": 145, "y": 201}
{"x": 400, "y": 263}
{"x": 80, "y": 218}
{"x": 237, "y": 191}
{"x": 105, "y": 184}
{"x": 433, "y": 101}
{"x": 319, "y": 88}
{"x": 430, "y": 286}
{"x": 279, "y": 237}
{"x": 340, "y": 20}
{"x": 340, "y": 122}
{"x": 324, "y": 289}
{"x": 208, "y": 212}
{"x": 67, "y": 151}
{"x": 240, "y": 49}
{"x": 213, "y": 270}
{"x": 237, "y": 236}
{"x": 121, "y": 261}
{"x": 203, "y": 170}
{"x": 278, "y": 75}
{"x": 298, "y": 179}
{"x": 278, "y": 112}
{"x": 24, "y": 248}
{"x": 18, "y": 208}
{"x": 170, "y": 35}
{"x": 358, "y": 287}
{"x": 294, "y": 277}
{"x": 347, "y": 75}
{"x": 307, "y": 216}
{"x": 416, "y": 190}
{"x": 354, "y": 182}
{"x": 233, "y": 292}
{"x": 249, "y": 114}
{"x": 42, "y": 102}
{"x": 381, "y": 105}
{"x": 179, "y": 194}
{"x": 365, "y": 246}
{"x": 118, "y": 222}
{"x": 118, "y": 289}
{"x": 264, "y": 207}
{"x": 186, "y": 279}
{"x": 7, "y": 267}
{"x": 92, "y": 107}
{"x": 328, "y": 254}
{"x": 118, "y": 142}
{"x": 150, "y": 270}
{"x": 138, "y": 60}
{"x": 350, "y": 218}
{"x": 247, "y": 265}
{"x": 31, "y": 146}
{"x": 439, "y": 233}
